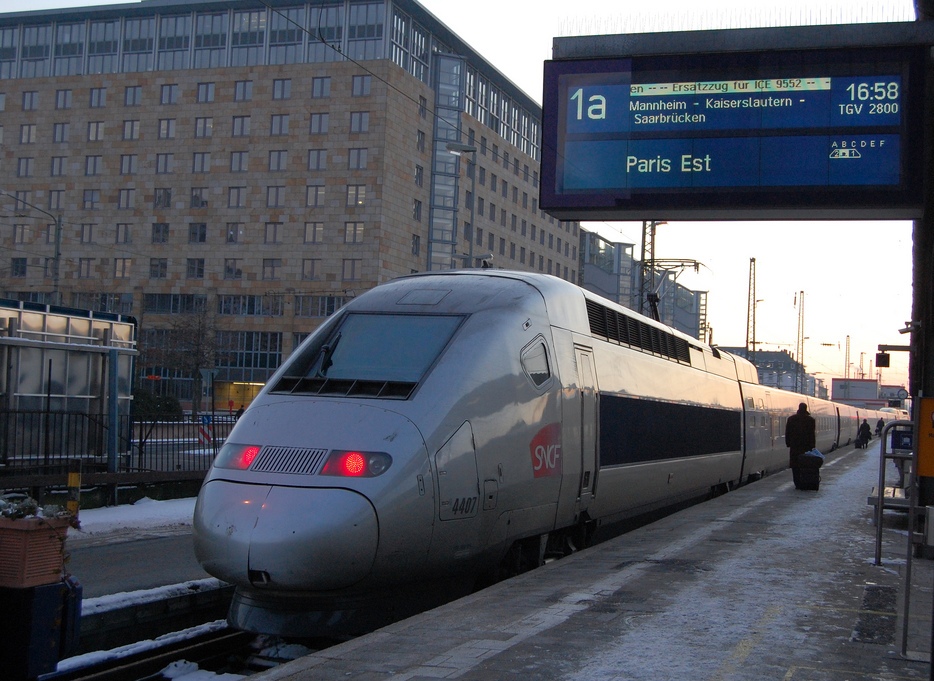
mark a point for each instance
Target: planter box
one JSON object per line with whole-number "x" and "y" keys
{"x": 32, "y": 551}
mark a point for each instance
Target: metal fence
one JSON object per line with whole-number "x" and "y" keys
{"x": 42, "y": 442}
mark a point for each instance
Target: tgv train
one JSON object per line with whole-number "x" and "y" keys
{"x": 450, "y": 425}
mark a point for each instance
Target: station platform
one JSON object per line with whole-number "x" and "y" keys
{"x": 765, "y": 582}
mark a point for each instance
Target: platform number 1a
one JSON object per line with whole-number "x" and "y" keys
{"x": 596, "y": 105}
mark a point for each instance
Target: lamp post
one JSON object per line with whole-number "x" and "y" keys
{"x": 457, "y": 149}
{"x": 56, "y": 294}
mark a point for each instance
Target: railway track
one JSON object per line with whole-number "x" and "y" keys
{"x": 222, "y": 650}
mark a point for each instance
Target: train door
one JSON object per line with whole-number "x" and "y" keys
{"x": 587, "y": 393}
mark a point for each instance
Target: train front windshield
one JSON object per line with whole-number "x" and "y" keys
{"x": 376, "y": 347}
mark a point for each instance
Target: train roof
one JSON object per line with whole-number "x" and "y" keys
{"x": 603, "y": 318}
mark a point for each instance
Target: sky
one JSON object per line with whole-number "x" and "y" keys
{"x": 856, "y": 276}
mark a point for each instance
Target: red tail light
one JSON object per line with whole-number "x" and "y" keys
{"x": 352, "y": 464}
{"x": 238, "y": 457}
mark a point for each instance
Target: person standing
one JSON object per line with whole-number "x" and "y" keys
{"x": 800, "y": 437}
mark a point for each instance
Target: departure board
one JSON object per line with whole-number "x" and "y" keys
{"x": 830, "y": 133}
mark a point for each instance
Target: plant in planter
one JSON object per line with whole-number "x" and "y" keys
{"x": 32, "y": 542}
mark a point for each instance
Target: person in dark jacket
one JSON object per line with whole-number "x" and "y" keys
{"x": 864, "y": 434}
{"x": 800, "y": 437}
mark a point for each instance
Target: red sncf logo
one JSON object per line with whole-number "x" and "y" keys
{"x": 545, "y": 450}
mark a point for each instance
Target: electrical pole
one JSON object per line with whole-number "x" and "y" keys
{"x": 751, "y": 314}
{"x": 799, "y": 375}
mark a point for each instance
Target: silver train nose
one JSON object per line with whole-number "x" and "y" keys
{"x": 285, "y": 537}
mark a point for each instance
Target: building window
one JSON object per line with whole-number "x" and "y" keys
{"x": 30, "y": 100}
{"x": 158, "y": 268}
{"x": 132, "y": 95}
{"x": 56, "y": 197}
{"x": 275, "y": 196}
{"x": 353, "y": 232}
{"x": 126, "y": 199}
{"x": 167, "y": 128}
{"x": 233, "y": 232}
{"x": 419, "y": 176}
{"x": 356, "y": 194}
{"x": 416, "y": 244}
{"x": 27, "y": 133}
{"x": 199, "y": 197}
{"x": 314, "y": 232}
{"x": 239, "y": 161}
{"x": 420, "y": 141}
{"x": 241, "y": 126}
{"x": 236, "y": 197}
{"x": 60, "y": 132}
{"x": 160, "y": 232}
{"x": 63, "y": 99}
{"x": 169, "y": 94}
{"x": 98, "y": 97}
{"x": 201, "y": 162}
{"x": 194, "y": 268}
{"x": 319, "y": 124}
{"x": 204, "y": 127}
{"x": 273, "y": 233}
{"x": 92, "y": 199}
{"x": 205, "y": 92}
{"x": 243, "y": 91}
{"x": 359, "y": 121}
{"x": 95, "y": 131}
{"x": 59, "y": 165}
{"x": 164, "y": 164}
{"x": 310, "y": 268}
{"x": 360, "y": 86}
{"x": 24, "y": 167}
{"x": 197, "y": 233}
{"x": 279, "y": 124}
{"x": 128, "y": 163}
{"x": 278, "y": 160}
{"x": 18, "y": 267}
{"x": 317, "y": 159}
{"x": 314, "y": 195}
{"x": 162, "y": 197}
{"x": 356, "y": 159}
{"x": 122, "y": 235}
{"x": 351, "y": 269}
{"x": 232, "y": 268}
{"x": 422, "y": 106}
{"x": 19, "y": 234}
{"x": 321, "y": 87}
{"x": 282, "y": 88}
{"x": 271, "y": 268}
{"x": 85, "y": 267}
{"x": 131, "y": 130}
{"x": 122, "y": 268}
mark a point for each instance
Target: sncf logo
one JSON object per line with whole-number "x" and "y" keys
{"x": 545, "y": 449}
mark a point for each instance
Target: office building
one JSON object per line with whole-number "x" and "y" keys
{"x": 232, "y": 173}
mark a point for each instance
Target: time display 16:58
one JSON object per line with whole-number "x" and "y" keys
{"x": 876, "y": 92}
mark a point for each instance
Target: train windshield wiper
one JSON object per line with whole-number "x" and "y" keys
{"x": 327, "y": 352}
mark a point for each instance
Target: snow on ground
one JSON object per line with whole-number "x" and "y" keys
{"x": 145, "y": 514}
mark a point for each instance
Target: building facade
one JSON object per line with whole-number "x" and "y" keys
{"x": 232, "y": 173}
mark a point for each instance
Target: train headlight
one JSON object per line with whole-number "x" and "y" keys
{"x": 238, "y": 457}
{"x": 353, "y": 464}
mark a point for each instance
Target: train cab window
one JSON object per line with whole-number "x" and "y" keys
{"x": 534, "y": 360}
{"x": 377, "y": 347}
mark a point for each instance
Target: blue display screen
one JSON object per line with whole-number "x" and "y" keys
{"x": 838, "y": 131}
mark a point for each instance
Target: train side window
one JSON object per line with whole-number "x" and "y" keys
{"x": 750, "y": 403}
{"x": 534, "y": 359}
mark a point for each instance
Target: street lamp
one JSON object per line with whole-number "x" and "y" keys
{"x": 457, "y": 149}
{"x": 56, "y": 295}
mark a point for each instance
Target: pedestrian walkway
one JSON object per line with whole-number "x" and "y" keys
{"x": 766, "y": 582}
